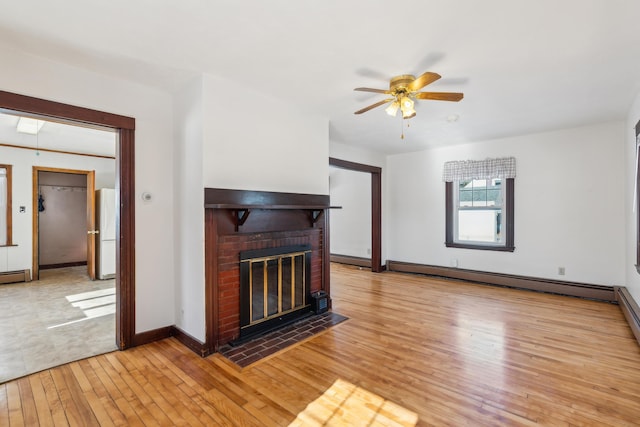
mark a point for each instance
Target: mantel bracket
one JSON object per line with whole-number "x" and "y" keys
{"x": 315, "y": 215}
{"x": 240, "y": 216}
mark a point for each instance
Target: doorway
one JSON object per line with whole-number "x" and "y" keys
{"x": 376, "y": 207}
{"x": 125, "y": 185}
{"x": 64, "y": 233}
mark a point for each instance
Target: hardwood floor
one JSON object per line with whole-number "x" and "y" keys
{"x": 415, "y": 350}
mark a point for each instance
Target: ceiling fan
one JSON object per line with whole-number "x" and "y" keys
{"x": 404, "y": 90}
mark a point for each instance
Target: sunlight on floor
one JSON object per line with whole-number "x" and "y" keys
{"x": 93, "y": 304}
{"x": 347, "y": 404}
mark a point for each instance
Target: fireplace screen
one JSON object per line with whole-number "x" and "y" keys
{"x": 273, "y": 286}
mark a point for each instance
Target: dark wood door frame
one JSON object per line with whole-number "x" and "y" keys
{"x": 125, "y": 196}
{"x": 376, "y": 207}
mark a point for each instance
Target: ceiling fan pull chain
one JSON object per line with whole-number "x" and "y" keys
{"x": 402, "y": 129}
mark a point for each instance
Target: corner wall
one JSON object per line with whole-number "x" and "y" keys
{"x": 233, "y": 138}
{"x": 33, "y": 76}
{"x": 569, "y": 205}
{"x": 189, "y": 210}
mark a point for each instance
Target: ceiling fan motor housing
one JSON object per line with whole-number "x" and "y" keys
{"x": 399, "y": 84}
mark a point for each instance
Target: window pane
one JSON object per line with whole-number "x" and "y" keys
{"x": 494, "y": 192}
{"x": 465, "y": 193}
{"x": 479, "y": 226}
{"x": 494, "y": 197}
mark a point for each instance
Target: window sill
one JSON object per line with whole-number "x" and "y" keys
{"x": 480, "y": 247}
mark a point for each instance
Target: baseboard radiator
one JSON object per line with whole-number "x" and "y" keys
{"x": 575, "y": 289}
{"x": 15, "y": 276}
{"x": 630, "y": 309}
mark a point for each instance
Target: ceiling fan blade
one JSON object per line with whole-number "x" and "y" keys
{"x": 368, "y": 89}
{"x": 422, "y": 81}
{"x": 372, "y": 106}
{"x": 440, "y": 96}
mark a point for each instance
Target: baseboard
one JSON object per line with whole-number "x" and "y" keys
{"x": 62, "y": 265}
{"x": 190, "y": 342}
{"x": 575, "y": 289}
{"x": 151, "y": 336}
{"x": 171, "y": 331}
{"x": 15, "y": 276}
{"x": 630, "y": 309}
{"x": 350, "y": 260}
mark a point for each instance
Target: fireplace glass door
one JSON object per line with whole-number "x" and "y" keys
{"x": 273, "y": 285}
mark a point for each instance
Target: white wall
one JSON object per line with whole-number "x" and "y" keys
{"x": 357, "y": 155}
{"x": 569, "y": 205}
{"x": 231, "y": 137}
{"x": 189, "y": 210}
{"x": 632, "y": 275}
{"x": 152, "y": 109}
{"x": 256, "y": 142}
{"x": 19, "y": 257}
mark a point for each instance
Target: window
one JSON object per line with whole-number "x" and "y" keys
{"x": 5, "y": 205}
{"x": 479, "y": 204}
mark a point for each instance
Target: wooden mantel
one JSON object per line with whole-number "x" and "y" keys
{"x": 237, "y": 220}
{"x": 242, "y": 202}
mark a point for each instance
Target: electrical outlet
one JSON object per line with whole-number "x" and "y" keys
{"x": 454, "y": 262}
{"x": 369, "y": 251}
{"x": 561, "y": 271}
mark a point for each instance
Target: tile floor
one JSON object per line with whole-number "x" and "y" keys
{"x": 268, "y": 344}
{"x": 58, "y": 319}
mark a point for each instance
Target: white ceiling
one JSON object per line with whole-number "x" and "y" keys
{"x": 58, "y": 136}
{"x": 524, "y": 66}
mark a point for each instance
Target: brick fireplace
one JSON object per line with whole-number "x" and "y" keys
{"x": 240, "y": 222}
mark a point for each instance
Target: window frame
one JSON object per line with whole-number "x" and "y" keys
{"x": 507, "y": 208}
{"x": 9, "y": 241}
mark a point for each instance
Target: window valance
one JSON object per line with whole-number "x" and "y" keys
{"x": 479, "y": 169}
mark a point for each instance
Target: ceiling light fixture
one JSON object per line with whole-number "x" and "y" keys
{"x": 406, "y": 105}
{"x": 403, "y": 91}
{"x": 29, "y": 125}
{"x": 392, "y": 109}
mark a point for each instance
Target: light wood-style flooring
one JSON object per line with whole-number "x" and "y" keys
{"x": 415, "y": 351}
{"x": 60, "y": 318}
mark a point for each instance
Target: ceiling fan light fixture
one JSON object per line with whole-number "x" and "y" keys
{"x": 406, "y": 102}
{"x": 408, "y": 113}
{"x": 404, "y": 90}
{"x": 406, "y": 105}
{"x": 392, "y": 109}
